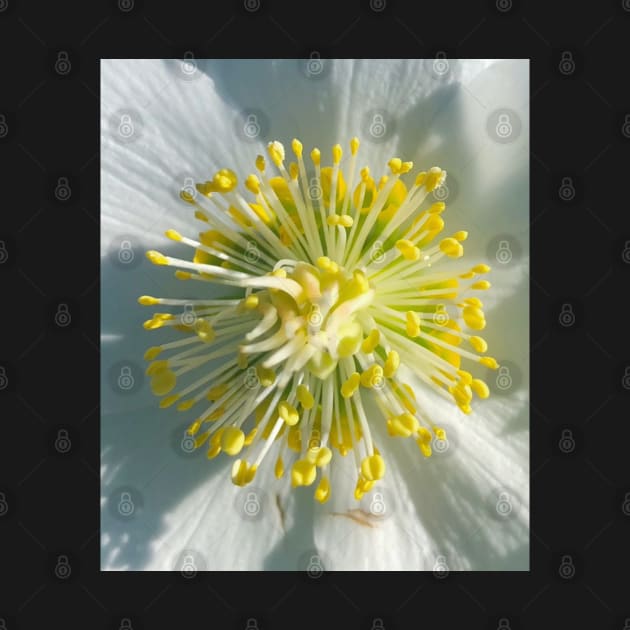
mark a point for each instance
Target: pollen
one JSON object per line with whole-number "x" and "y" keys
{"x": 337, "y": 281}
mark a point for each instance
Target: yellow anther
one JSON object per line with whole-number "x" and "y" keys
{"x": 252, "y": 183}
{"x": 391, "y": 363}
{"x": 437, "y": 207}
{"x": 186, "y": 404}
{"x": 163, "y": 381}
{"x": 351, "y": 385}
{"x": 381, "y": 182}
{"x": 473, "y": 301}
{"x": 413, "y": 324}
{"x": 194, "y": 427}
{"x": 232, "y": 440}
{"x": 363, "y": 486}
{"x": 348, "y": 345}
{"x": 478, "y": 343}
{"x": 303, "y": 473}
{"x": 354, "y": 145}
{"x": 371, "y": 341}
{"x": 288, "y": 413}
{"x": 482, "y": 268}
{"x": 467, "y": 275}
{"x": 323, "y": 262}
{"x": 304, "y": 396}
{"x": 204, "y": 331}
{"x": 462, "y": 394}
{"x": 249, "y": 438}
{"x": 147, "y": 300}
{"x": 156, "y": 258}
{"x": 279, "y": 468}
{"x": 465, "y": 377}
{"x": 403, "y": 425}
{"x": 337, "y": 152}
{"x": 260, "y": 163}
{"x": 474, "y": 317}
{"x": 322, "y": 493}
{"x": 279, "y": 273}
{"x": 251, "y": 302}
{"x": 294, "y": 171}
{"x": 361, "y": 281}
{"x": 201, "y": 439}
{"x": 296, "y": 145}
{"x": 276, "y": 152}
{"x": 421, "y": 177}
{"x": 345, "y": 220}
{"x": 266, "y": 376}
{"x": 408, "y": 249}
{"x": 373, "y": 376}
{"x": 223, "y": 181}
{"x": 174, "y": 235}
{"x": 185, "y": 195}
{"x": 435, "y": 223}
{"x": 156, "y": 366}
{"x": 395, "y": 164}
{"x": 406, "y": 167}
{"x": 332, "y": 219}
{"x": 481, "y": 285}
{"x": 152, "y": 352}
{"x": 242, "y": 472}
{"x": 316, "y": 156}
{"x": 489, "y": 362}
{"x": 365, "y": 174}
{"x": 216, "y": 392}
{"x": 440, "y": 433}
{"x": 322, "y": 457}
{"x": 373, "y": 467}
{"x": 425, "y": 447}
{"x": 451, "y": 247}
{"x": 434, "y": 178}
{"x": 462, "y": 235}
{"x": 183, "y": 275}
{"x": 216, "y": 414}
{"x": 169, "y": 400}
{"x": 480, "y": 388}
{"x": 200, "y": 216}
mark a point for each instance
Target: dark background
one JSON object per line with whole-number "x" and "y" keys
{"x": 49, "y": 254}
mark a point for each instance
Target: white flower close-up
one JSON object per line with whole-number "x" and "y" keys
{"x": 315, "y": 315}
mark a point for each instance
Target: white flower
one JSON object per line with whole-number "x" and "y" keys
{"x": 167, "y": 126}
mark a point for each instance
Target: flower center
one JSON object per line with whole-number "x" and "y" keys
{"x": 338, "y": 288}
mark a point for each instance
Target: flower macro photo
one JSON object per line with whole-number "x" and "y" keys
{"x": 315, "y": 315}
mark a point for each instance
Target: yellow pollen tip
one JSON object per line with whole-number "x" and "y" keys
{"x": 373, "y": 467}
{"x": 242, "y": 472}
{"x": 391, "y": 363}
{"x": 434, "y": 178}
{"x": 451, "y": 247}
{"x": 163, "y": 382}
{"x": 408, "y": 249}
{"x": 462, "y": 235}
{"x": 365, "y": 174}
{"x": 437, "y": 207}
{"x": 478, "y": 343}
{"x": 371, "y": 341}
{"x": 322, "y": 493}
{"x": 174, "y": 235}
{"x": 337, "y": 153}
{"x": 354, "y": 145}
{"x": 305, "y": 398}
{"x": 205, "y": 331}
{"x": 413, "y": 324}
{"x": 279, "y": 468}
{"x": 403, "y": 425}
{"x": 345, "y": 220}
{"x": 266, "y": 376}
{"x": 152, "y": 352}
{"x": 214, "y": 393}
{"x": 251, "y": 302}
{"x": 395, "y": 165}
{"x": 252, "y": 183}
{"x": 288, "y": 413}
{"x": 185, "y": 405}
{"x": 351, "y": 385}
{"x": 303, "y": 473}
{"x": 474, "y": 317}
{"x": 406, "y": 167}
{"x": 316, "y": 156}
{"x": 156, "y": 258}
{"x": 482, "y": 285}
{"x": 183, "y": 275}
{"x": 296, "y": 145}
{"x": 489, "y": 362}
{"x": 276, "y": 152}
{"x": 333, "y": 219}
{"x": 372, "y": 377}
{"x": 466, "y": 377}
{"x": 482, "y": 268}
{"x": 435, "y": 223}
{"x": 168, "y": 401}
{"x": 223, "y": 181}
{"x": 147, "y": 300}
{"x": 260, "y": 163}
{"x": 480, "y": 388}
{"x": 294, "y": 171}
{"x": 421, "y": 177}
{"x": 232, "y": 440}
